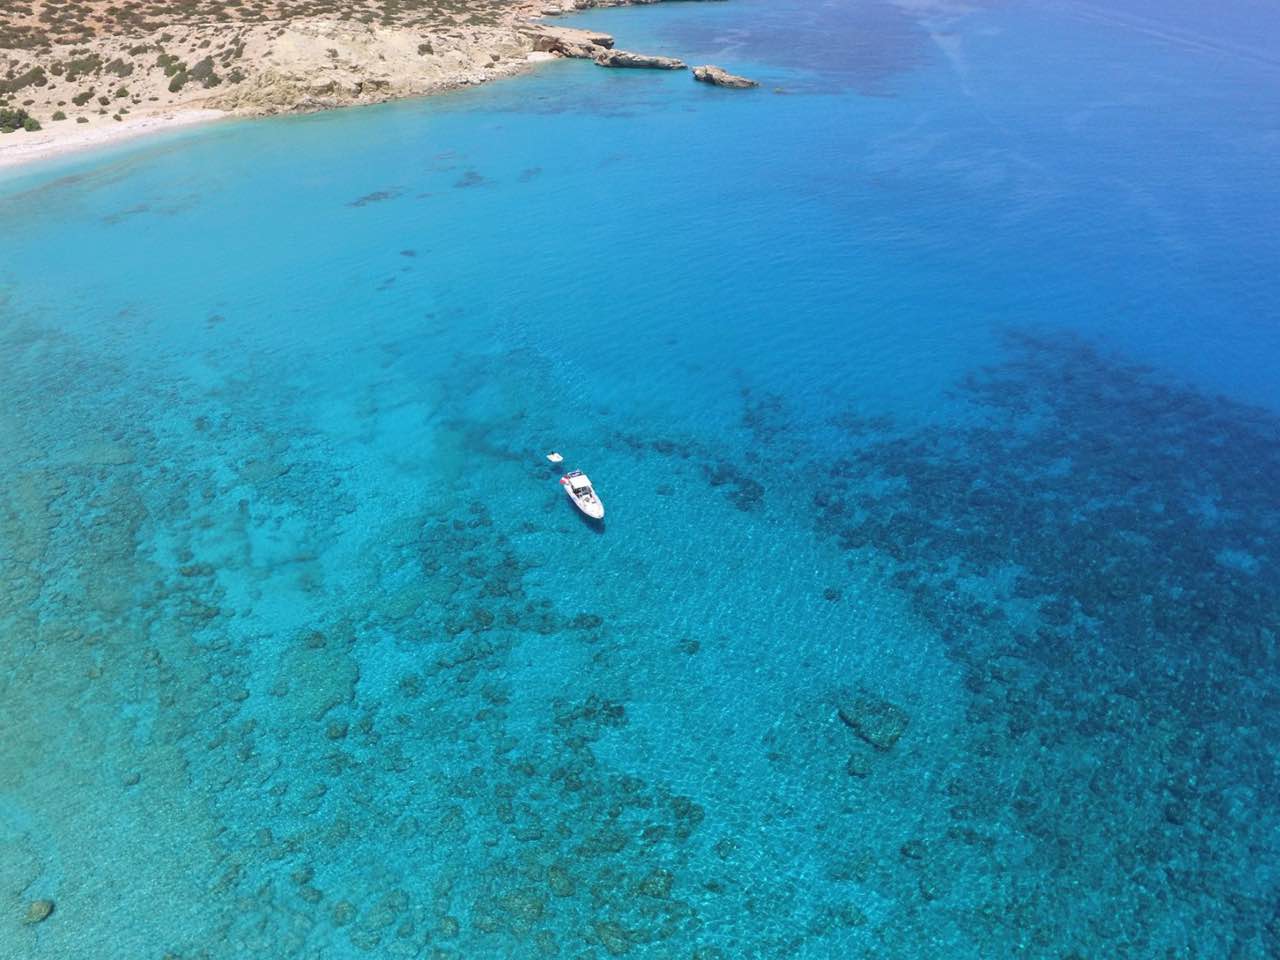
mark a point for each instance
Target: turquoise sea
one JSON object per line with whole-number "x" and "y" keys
{"x": 931, "y": 391}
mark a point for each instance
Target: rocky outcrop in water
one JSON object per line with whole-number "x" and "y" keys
{"x": 719, "y": 77}
{"x": 625, "y": 58}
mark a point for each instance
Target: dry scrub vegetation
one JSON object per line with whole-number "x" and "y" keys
{"x": 87, "y": 61}
{"x": 37, "y": 24}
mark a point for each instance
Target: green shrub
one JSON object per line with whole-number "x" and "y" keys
{"x": 59, "y": 115}
{"x": 203, "y": 73}
{"x": 178, "y": 82}
{"x": 33, "y": 77}
{"x": 11, "y": 120}
{"x": 80, "y": 99}
{"x": 82, "y": 119}
{"x": 122, "y": 92}
{"x": 79, "y": 67}
{"x": 170, "y": 64}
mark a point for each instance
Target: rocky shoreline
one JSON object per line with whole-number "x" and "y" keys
{"x": 85, "y": 94}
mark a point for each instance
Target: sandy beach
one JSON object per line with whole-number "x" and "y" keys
{"x": 61, "y": 139}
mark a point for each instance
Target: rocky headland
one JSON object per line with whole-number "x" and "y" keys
{"x": 593, "y": 45}
{"x": 92, "y": 71}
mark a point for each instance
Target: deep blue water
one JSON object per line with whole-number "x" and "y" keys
{"x": 930, "y": 389}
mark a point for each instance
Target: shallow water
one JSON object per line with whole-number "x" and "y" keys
{"x": 933, "y": 381}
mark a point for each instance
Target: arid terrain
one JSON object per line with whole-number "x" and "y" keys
{"x": 94, "y": 69}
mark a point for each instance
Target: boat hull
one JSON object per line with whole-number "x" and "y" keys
{"x": 592, "y": 509}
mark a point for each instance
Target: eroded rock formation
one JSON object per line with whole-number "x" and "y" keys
{"x": 719, "y": 77}
{"x": 625, "y": 58}
{"x": 567, "y": 41}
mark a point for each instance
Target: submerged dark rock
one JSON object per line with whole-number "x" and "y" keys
{"x": 376, "y": 197}
{"x": 746, "y": 493}
{"x": 586, "y": 621}
{"x": 858, "y": 765}
{"x": 913, "y": 849}
{"x": 875, "y": 720}
{"x": 38, "y": 911}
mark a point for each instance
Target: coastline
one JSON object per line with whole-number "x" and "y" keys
{"x": 63, "y": 140}
{"x": 303, "y": 66}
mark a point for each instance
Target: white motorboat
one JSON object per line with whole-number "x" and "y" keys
{"x": 578, "y": 486}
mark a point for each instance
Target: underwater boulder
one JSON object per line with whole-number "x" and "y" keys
{"x": 614, "y": 937}
{"x": 38, "y": 911}
{"x": 315, "y": 679}
{"x": 560, "y": 880}
{"x": 858, "y": 765}
{"x": 875, "y": 720}
{"x": 657, "y": 884}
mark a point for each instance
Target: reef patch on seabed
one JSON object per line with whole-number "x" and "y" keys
{"x": 254, "y": 780}
{"x": 250, "y": 714}
{"x": 1100, "y": 551}
{"x": 215, "y": 748}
